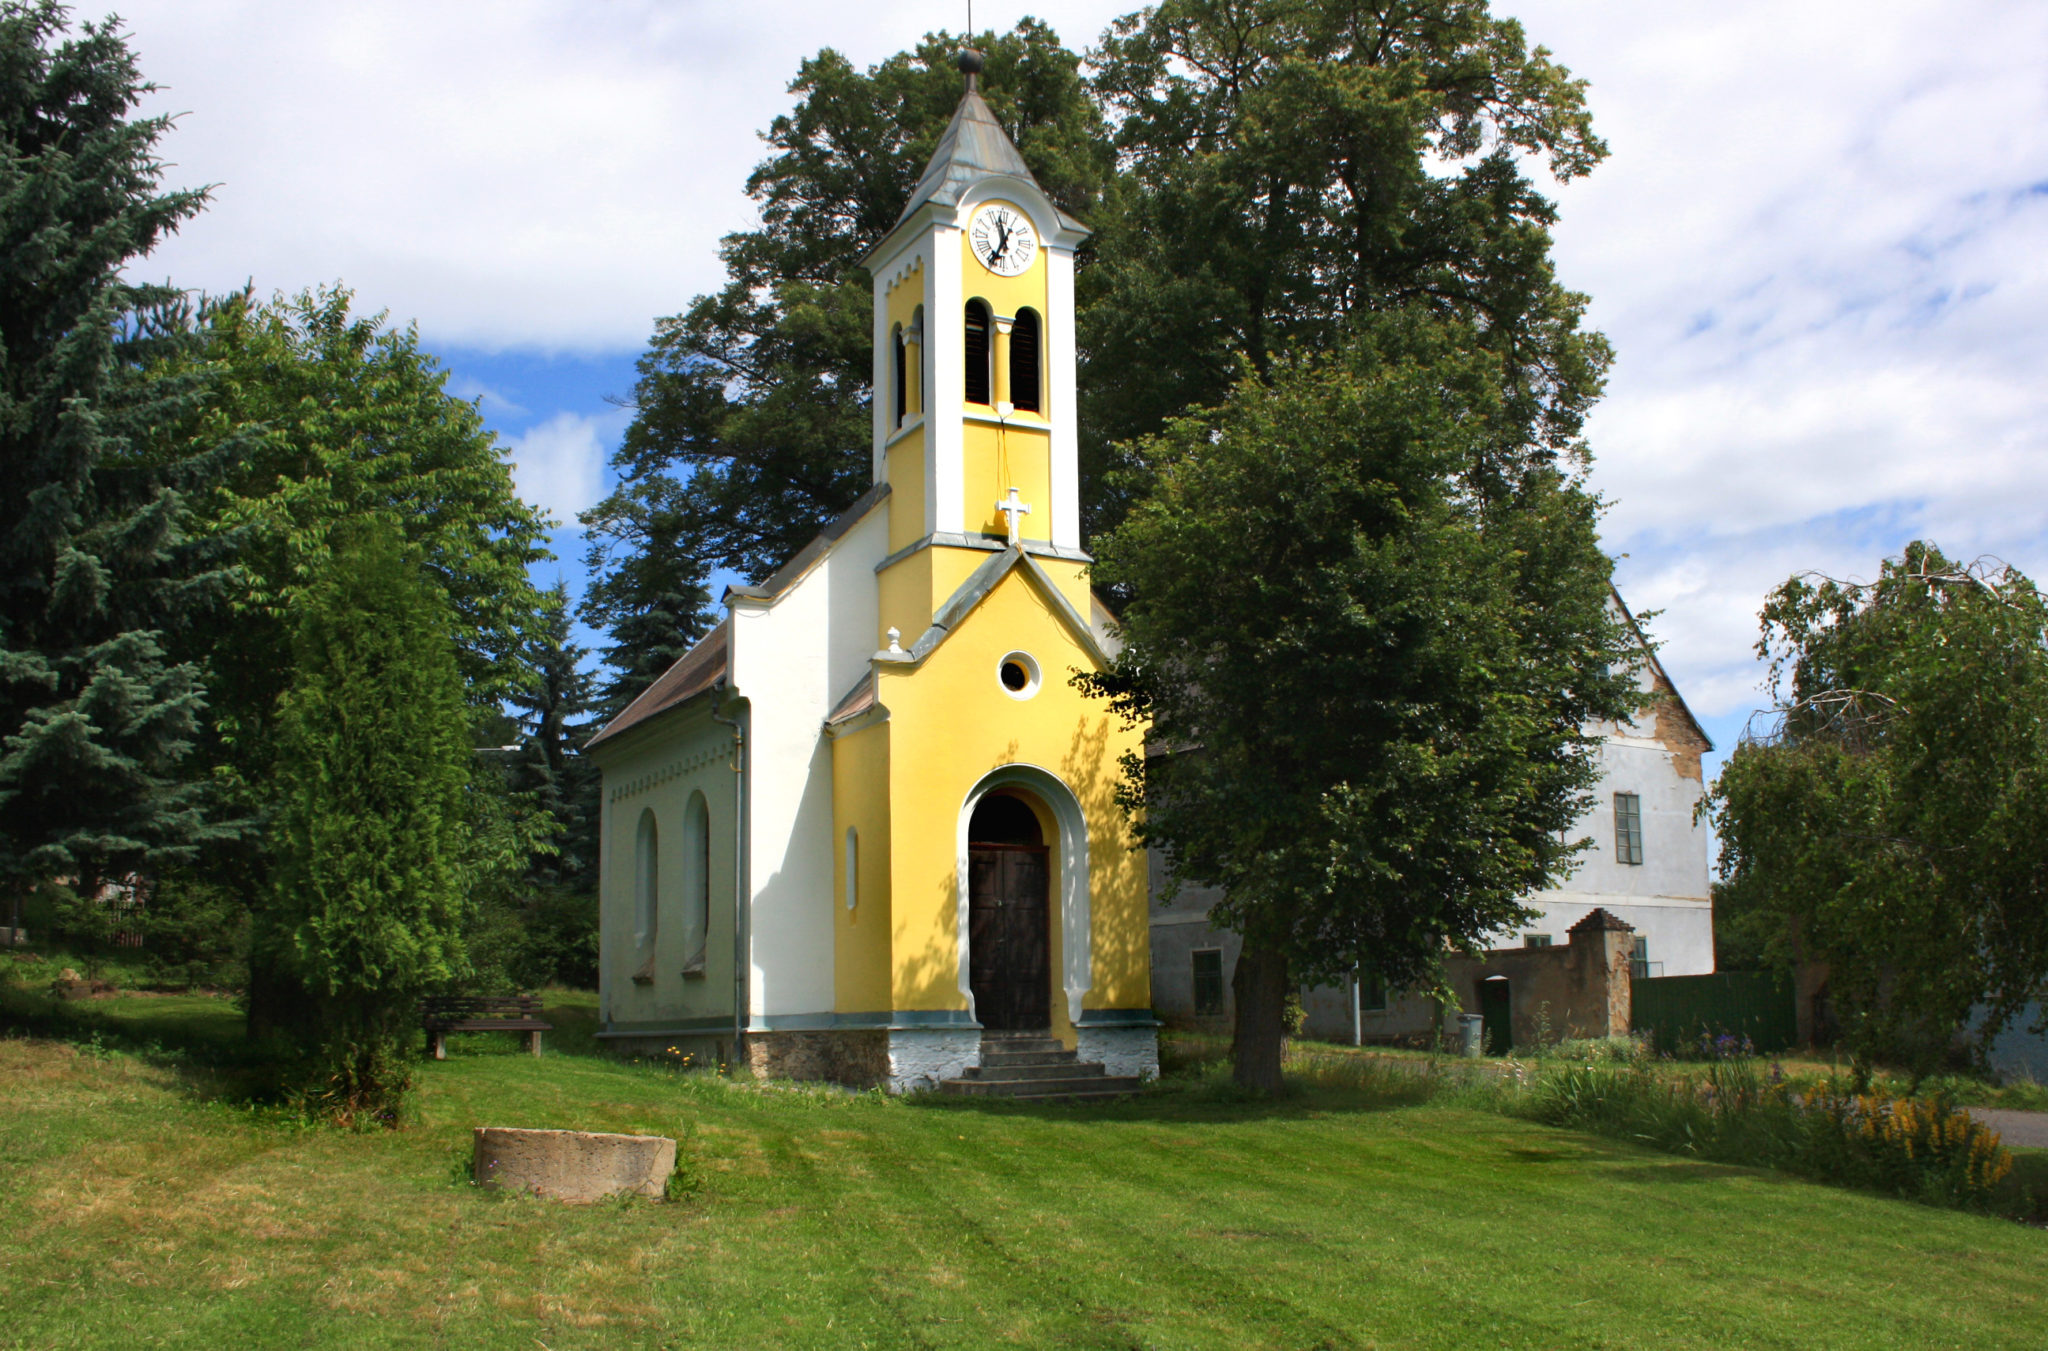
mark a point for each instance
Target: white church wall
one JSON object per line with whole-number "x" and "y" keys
{"x": 793, "y": 658}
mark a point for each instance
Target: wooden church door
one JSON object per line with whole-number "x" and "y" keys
{"x": 1009, "y": 939}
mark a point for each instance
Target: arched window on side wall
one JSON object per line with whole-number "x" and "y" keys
{"x": 696, "y": 883}
{"x": 646, "y": 881}
{"x": 978, "y": 347}
{"x": 900, "y": 375}
{"x": 1024, "y": 346}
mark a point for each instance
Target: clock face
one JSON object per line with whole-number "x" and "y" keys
{"x": 1002, "y": 239}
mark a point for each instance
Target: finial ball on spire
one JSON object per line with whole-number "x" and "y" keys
{"x": 969, "y": 61}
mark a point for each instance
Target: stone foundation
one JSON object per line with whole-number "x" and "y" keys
{"x": 1124, "y": 1051}
{"x": 919, "y": 1057}
{"x": 856, "y": 1057}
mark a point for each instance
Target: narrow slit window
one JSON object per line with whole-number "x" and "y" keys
{"x": 697, "y": 883}
{"x": 902, "y": 374}
{"x": 852, "y": 867}
{"x": 1208, "y": 982}
{"x": 1024, "y": 345}
{"x": 646, "y": 881}
{"x": 1628, "y": 828}
{"x": 978, "y": 348}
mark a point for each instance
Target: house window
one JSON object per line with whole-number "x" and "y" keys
{"x": 1628, "y": 828}
{"x": 646, "y": 880}
{"x": 1208, "y": 982}
{"x": 1024, "y": 362}
{"x": 1535, "y": 940}
{"x": 1372, "y": 993}
{"x": 978, "y": 328}
{"x": 1640, "y": 965}
{"x": 696, "y": 883}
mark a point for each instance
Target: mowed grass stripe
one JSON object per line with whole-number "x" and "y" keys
{"x": 133, "y": 1211}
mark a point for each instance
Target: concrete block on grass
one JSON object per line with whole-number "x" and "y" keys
{"x": 575, "y": 1166}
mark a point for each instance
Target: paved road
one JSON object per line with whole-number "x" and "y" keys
{"x": 2029, "y": 1130}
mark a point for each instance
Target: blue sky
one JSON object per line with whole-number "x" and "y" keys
{"x": 1820, "y": 245}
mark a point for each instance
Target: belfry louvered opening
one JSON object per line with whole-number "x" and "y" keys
{"x": 978, "y": 330}
{"x": 1024, "y": 349}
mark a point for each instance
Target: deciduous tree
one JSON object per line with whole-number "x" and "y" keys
{"x": 1892, "y": 823}
{"x": 1371, "y": 681}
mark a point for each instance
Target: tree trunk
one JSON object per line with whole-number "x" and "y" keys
{"x": 1260, "y": 987}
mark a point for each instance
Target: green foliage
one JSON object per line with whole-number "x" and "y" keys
{"x": 1387, "y": 674}
{"x": 1292, "y": 164}
{"x": 96, "y": 717}
{"x": 1926, "y": 1149}
{"x": 375, "y": 864}
{"x": 338, "y": 417}
{"x": 553, "y": 713}
{"x": 1894, "y": 825}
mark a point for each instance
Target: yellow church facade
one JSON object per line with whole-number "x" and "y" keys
{"x": 867, "y": 830}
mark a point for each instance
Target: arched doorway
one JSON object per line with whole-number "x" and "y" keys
{"x": 1009, "y": 938}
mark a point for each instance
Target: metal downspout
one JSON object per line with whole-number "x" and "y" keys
{"x": 739, "y": 870}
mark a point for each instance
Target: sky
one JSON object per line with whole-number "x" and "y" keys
{"x": 1818, "y": 246}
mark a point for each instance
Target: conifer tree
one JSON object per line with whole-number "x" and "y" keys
{"x": 95, "y": 717}
{"x": 553, "y": 713}
{"x": 374, "y": 870}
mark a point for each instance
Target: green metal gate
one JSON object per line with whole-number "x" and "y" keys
{"x": 1675, "y": 1012}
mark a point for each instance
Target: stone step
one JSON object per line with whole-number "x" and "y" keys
{"x": 1066, "y": 1069}
{"x": 1073, "y": 1089}
{"x": 1012, "y": 1042}
{"x": 1028, "y": 1058}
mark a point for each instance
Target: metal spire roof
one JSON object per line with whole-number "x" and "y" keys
{"x": 974, "y": 147}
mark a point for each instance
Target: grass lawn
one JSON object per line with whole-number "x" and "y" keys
{"x": 140, "y": 1208}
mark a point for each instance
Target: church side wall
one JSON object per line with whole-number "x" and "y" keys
{"x": 793, "y": 660}
{"x": 657, "y": 770}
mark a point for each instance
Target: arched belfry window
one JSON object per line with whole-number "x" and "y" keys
{"x": 696, "y": 882}
{"x": 1024, "y": 346}
{"x": 646, "y": 880}
{"x": 979, "y": 330}
{"x": 899, "y": 375}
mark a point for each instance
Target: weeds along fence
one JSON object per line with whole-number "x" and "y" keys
{"x": 1674, "y": 1013}
{"x": 1927, "y": 1149}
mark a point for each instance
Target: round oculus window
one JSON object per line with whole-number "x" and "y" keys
{"x": 1018, "y": 674}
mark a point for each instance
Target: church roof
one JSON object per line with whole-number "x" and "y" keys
{"x": 700, "y": 668}
{"x": 974, "y": 147}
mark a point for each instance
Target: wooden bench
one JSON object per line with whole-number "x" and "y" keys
{"x": 442, "y": 1014}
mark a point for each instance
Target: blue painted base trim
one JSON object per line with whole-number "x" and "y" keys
{"x": 1118, "y": 1018}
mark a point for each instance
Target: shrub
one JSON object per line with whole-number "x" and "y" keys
{"x": 1925, "y": 1148}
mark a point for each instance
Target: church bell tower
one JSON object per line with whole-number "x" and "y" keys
{"x": 974, "y": 416}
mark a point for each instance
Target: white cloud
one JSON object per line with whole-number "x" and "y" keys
{"x": 1820, "y": 246}
{"x": 558, "y": 465}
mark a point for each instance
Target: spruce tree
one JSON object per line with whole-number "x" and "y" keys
{"x": 553, "y": 713}
{"x": 95, "y": 718}
{"x": 374, "y": 866}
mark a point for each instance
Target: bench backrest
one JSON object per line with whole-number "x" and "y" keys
{"x": 481, "y": 1006}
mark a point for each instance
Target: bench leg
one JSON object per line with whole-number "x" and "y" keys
{"x": 533, "y": 1042}
{"x": 440, "y": 1045}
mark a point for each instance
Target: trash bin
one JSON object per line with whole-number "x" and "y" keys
{"x": 1471, "y": 1035}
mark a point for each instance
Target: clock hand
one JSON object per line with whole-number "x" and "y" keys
{"x": 1003, "y": 245}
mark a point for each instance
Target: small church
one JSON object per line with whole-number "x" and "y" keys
{"x": 866, "y": 830}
